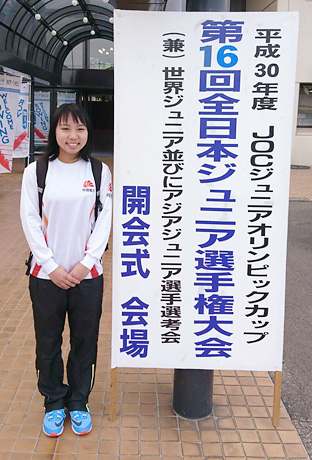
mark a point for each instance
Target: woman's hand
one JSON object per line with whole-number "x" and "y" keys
{"x": 62, "y": 279}
{"x": 79, "y": 272}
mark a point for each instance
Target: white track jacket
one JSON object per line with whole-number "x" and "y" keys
{"x": 67, "y": 233}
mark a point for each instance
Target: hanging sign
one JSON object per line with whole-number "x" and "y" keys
{"x": 202, "y": 162}
{"x": 65, "y": 98}
{"x": 42, "y": 116}
{"x": 9, "y": 96}
{"x": 21, "y": 141}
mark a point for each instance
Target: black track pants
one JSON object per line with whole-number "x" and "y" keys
{"x": 83, "y": 304}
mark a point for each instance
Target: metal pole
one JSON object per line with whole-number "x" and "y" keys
{"x": 193, "y": 388}
{"x": 192, "y": 393}
{"x": 32, "y": 123}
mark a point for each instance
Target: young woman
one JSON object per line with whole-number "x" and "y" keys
{"x": 66, "y": 275}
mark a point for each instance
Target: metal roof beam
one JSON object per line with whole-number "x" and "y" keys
{"x": 89, "y": 15}
{"x": 42, "y": 20}
{"x": 14, "y": 62}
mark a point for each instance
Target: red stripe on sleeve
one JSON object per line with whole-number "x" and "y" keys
{"x": 36, "y": 270}
{"x": 94, "y": 272}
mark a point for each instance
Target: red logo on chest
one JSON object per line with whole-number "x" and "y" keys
{"x": 88, "y": 183}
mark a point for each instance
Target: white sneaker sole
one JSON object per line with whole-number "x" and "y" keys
{"x": 82, "y": 433}
{"x": 53, "y": 435}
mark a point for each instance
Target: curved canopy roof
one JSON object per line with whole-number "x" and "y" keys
{"x": 37, "y": 35}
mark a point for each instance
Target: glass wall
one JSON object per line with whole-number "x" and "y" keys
{"x": 100, "y": 54}
{"x": 75, "y": 58}
{"x": 305, "y": 106}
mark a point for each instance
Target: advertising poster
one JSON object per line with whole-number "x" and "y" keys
{"x": 42, "y": 117}
{"x": 65, "y": 98}
{"x": 203, "y": 123}
{"x": 9, "y": 97}
{"x": 21, "y": 141}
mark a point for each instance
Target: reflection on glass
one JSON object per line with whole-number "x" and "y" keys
{"x": 101, "y": 54}
{"x": 305, "y": 105}
{"x": 74, "y": 59}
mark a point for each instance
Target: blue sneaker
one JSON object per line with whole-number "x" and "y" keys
{"x": 53, "y": 422}
{"x": 81, "y": 422}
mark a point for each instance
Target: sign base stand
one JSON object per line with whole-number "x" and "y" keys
{"x": 277, "y": 398}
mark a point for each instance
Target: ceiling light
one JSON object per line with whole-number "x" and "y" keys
{"x": 65, "y": 43}
{"x": 111, "y": 20}
{"x": 85, "y": 19}
{"x": 74, "y": 2}
{"x": 92, "y": 32}
{"x": 107, "y": 52}
{"x": 103, "y": 49}
{"x": 53, "y": 32}
{"x": 112, "y": 49}
{"x": 38, "y": 16}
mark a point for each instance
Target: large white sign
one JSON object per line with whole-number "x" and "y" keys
{"x": 9, "y": 97}
{"x": 204, "y": 105}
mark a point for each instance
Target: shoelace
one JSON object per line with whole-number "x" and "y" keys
{"x": 55, "y": 415}
{"x": 77, "y": 415}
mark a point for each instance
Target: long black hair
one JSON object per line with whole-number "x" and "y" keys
{"x": 79, "y": 115}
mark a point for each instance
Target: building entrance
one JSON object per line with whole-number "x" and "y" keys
{"x": 100, "y": 107}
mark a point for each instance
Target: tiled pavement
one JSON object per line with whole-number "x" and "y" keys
{"x": 239, "y": 428}
{"x": 301, "y": 184}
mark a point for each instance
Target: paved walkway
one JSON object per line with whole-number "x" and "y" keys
{"x": 239, "y": 428}
{"x": 301, "y": 184}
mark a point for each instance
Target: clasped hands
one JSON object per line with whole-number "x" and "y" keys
{"x": 65, "y": 280}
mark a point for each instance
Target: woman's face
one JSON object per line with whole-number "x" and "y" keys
{"x": 71, "y": 137}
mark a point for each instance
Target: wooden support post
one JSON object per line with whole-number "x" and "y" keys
{"x": 113, "y": 393}
{"x": 277, "y": 398}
